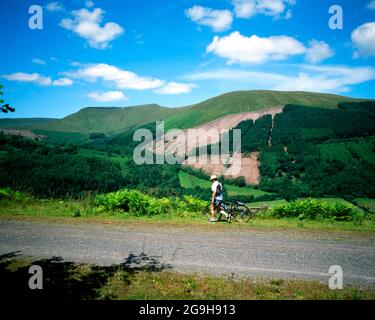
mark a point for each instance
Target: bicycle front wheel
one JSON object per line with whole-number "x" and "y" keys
{"x": 242, "y": 213}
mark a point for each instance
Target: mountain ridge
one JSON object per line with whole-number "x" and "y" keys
{"x": 112, "y": 120}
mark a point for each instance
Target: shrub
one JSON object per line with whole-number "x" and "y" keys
{"x": 194, "y": 204}
{"x": 5, "y": 193}
{"x": 138, "y": 203}
{"x": 8, "y": 194}
{"x": 311, "y": 209}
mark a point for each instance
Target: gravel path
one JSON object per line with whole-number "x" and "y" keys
{"x": 242, "y": 252}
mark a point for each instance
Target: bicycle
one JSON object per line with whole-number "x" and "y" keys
{"x": 235, "y": 210}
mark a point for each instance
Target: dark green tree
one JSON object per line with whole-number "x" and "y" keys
{"x": 6, "y": 107}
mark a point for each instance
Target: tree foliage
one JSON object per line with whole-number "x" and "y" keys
{"x": 5, "y": 108}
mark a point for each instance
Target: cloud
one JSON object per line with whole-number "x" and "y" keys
{"x": 233, "y": 74}
{"x": 364, "y": 40}
{"x": 37, "y": 78}
{"x": 330, "y": 79}
{"x": 54, "y": 6}
{"x": 371, "y": 5}
{"x": 107, "y": 96}
{"x": 38, "y": 61}
{"x": 240, "y": 49}
{"x": 89, "y": 4}
{"x": 217, "y": 20}
{"x": 86, "y": 24}
{"x": 318, "y": 51}
{"x": 175, "y": 88}
{"x": 122, "y": 79}
{"x": 62, "y": 82}
{"x": 28, "y": 77}
{"x": 275, "y": 8}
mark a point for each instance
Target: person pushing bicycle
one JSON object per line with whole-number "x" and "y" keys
{"x": 217, "y": 198}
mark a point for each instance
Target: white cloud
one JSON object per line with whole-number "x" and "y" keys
{"x": 330, "y": 79}
{"x": 275, "y": 8}
{"x": 240, "y": 49}
{"x": 54, "y": 6}
{"x": 63, "y": 82}
{"x": 318, "y": 51}
{"x": 217, "y": 20}
{"x": 122, "y": 79}
{"x": 86, "y": 24}
{"x": 175, "y": 88}
{"x": 244, "y": 8}
{"x": 37, "y": 78}
{"x": 28, "y": 77}
{"x": 89, "y": 4}
{"x": 107, "y": 96}
{"x": 236, "y": 75}
{"x": 364, "y": 40}
{"x": 371, "y": 5}
{"x": 76, "y": 64}
{"x": 38, "y": 61}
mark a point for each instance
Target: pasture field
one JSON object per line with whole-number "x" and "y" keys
{"x": 190, "y": 181}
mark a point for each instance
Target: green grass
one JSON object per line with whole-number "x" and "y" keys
{"x": 90, "y": 153}
{"x": 336, "y": 151}
{"x": 153, "y": 281}
{"x": 171, "y": 285}
{"x": 62, "y": 137}
{"x": 349, "y": 151}
{"x": 66, "y": 210}
{"x": 364, "y": 149}
{"x": 188, "y": 180}
{"x": 270, "y": 204}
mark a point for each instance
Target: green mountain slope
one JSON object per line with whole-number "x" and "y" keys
{"x": 245, "y": 101}
{"x": 114, "y": 120}
{"x": 23, "y": 122}
{"x": 107, "y": 120}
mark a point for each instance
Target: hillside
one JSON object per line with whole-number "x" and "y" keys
{"x": 314, "y": 152}
{"x": 247, "y": 101}
{"x": 107, "y": 120}
{"x": 111, "y": 120}
{"x": 23, "y": 122}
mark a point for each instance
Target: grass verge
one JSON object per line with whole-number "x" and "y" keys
{"x": 141, "y": 278}
{"x": 82, "y": 211}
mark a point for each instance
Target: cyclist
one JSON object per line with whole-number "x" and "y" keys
{"x": 217, "y": 198}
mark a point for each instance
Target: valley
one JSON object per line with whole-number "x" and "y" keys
{"x": 322, "y": 146}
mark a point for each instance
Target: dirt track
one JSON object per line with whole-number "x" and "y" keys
{"x": 206, "y": 249}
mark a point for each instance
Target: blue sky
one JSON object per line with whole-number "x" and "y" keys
{"x": 175, "y": 53}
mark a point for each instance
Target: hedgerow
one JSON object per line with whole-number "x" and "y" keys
{"x": 140, "y": 204}
{"x": 310, "y": 209}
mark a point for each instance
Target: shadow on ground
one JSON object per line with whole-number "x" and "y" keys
{"x": 64, "y": 280}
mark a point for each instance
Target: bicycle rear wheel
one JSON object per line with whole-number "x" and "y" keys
{"x": 242, "y": 213}
{"x": 207, "y": 212}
